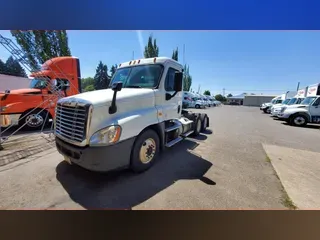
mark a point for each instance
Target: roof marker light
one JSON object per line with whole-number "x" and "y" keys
{"x": 154, "y": 60}
{"x": 134, "y": 62}
{"x": 138, "y": 61}
{"x": 130, "y": 62}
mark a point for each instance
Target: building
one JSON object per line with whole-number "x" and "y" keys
{"x": 256, "y": 100}
{"x": 238, "y": 99}
{"x": 8, "y": 82}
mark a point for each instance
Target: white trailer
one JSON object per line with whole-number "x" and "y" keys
{"x": 308, "y": 111}
{"x": 126, "y": 126}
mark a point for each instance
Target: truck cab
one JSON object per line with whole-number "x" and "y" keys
{"x": 297, "y": 99}
{"x": 128, "y": 124}
{"x": 34, "y": 106}
{"x": 308, "y": 111}
{"x": 266, "y": 107}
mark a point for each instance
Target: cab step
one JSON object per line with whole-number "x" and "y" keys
{"x": 174, "y": 141}
{"x": 172, "y": 128}
{"x": 187, "y": 134}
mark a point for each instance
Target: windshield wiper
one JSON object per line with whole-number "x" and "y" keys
{"x": 132, "y": 86}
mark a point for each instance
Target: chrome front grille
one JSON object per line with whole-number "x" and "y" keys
{"x": 71, "y": 121}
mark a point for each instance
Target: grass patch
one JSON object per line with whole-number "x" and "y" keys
{"x": 286, "y": 200}
{"x": 268, "y": 159}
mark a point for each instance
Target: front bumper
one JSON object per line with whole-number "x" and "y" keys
{"x": 283, "y": 116}
{"x": 99, "y": 159}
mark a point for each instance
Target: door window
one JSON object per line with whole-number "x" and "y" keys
{"x": 169, "y": 82}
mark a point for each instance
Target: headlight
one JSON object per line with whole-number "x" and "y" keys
{"x": 106, "y": 136}
{"x": 3, "y": 109}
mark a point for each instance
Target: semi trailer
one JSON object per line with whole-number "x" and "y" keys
{"x": 128, "y": 124}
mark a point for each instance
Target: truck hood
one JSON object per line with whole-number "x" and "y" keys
{"x": 22, "y": 91}
{"x": 104, "y": 97}
{"x": 296, "y": 106}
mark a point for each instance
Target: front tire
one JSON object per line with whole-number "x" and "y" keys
{"x": 197, "y": 106}
{"x": 145, "y": 151}
{"x": 298, "y": 120}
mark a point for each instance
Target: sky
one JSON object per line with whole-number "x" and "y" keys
{"x": 260, "y": 62}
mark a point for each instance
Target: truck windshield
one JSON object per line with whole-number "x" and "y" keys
{"x": 143, "y": 76}
{"x": 308, "y": 100}
{"x": 292, "y": 101}
{"x": 285, "y": 102}
{"x": 38, "y": 83}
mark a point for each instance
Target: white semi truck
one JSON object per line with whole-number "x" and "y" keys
{"x": 297, "y": 99}
{"x": 127, "y": 125}
{"x": 308, "y": 111}
{"x": 266, "y": 107}
{"x": 275, "y": 108}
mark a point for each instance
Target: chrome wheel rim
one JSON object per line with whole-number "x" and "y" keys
{"x": 34, "y": 120}
{"x": 299, "y": 120}
{"x": 147, "y": 150}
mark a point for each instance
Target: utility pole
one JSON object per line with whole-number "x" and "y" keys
{"x": 199, "y": 88}
{"x": 184, "y": 51}
{"x": 223, "y": 91}
{"x": 298, "y": 86}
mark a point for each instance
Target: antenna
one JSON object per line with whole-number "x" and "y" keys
{"x": 298, "y": 86}
{"x": 132, "y": 55}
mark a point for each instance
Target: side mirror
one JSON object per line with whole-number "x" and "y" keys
{"x": 117, "y": 86}
{"x": 178, "y": 82}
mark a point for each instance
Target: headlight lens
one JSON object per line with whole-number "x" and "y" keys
{"x": 3, "y": 109}
{"x": 106, "y": 136}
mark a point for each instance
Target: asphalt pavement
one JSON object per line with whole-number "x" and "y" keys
{"x": 225, "y": 168}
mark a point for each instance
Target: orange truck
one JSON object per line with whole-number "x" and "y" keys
{"x": 34, "y": 106}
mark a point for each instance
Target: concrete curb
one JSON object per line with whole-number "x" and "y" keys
{"x": 24, "y": 147}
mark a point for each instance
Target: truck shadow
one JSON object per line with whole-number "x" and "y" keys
{"x": 124, "y": 189}
{"x": 311, "y": 126}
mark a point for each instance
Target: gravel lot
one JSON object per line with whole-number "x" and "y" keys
{"x": 224, "y": 168}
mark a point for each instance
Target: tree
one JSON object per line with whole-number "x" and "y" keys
{"x": 89, "y": 88}
{"x": 12, "y": 67}
{"x": 38, "y": 46}
{"x": 187, "y": 79}
{"x": 175, "y": 55}
{"x": 151, "y": 50}
{"x": 3, "y": 68}
{"x": 229, "y": 95}
{"x": 220, "y": 98}
{"x": 101, "y": 78}
{"x": 113, "y": 70}
{"x": 85, "y": 82}
{"x": 207, "y": 92}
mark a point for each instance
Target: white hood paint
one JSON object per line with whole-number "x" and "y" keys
{"x": 104, "y": 97}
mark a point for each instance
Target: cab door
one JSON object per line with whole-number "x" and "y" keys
{"x": 171, "y": 107}
{"x": 315, "y": 111}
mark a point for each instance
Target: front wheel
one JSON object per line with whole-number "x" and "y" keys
{"x": 145, "y": 151}
{"x": 34, "y": 120}
{"x": 197, "y": 106}
{"x": 298, "y": 120}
